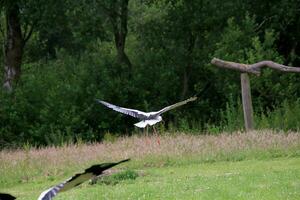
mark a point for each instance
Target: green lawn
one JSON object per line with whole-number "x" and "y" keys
{"x": 277, "y": 178}
{"x": 259, "y": 165}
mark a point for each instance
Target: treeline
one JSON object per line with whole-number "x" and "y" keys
{"x": 58, "y": 56}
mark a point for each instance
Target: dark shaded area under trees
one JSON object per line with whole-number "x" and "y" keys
{"x": 59, "y": 56}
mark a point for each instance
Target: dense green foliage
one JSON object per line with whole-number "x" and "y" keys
{"x": 71, "y": 59}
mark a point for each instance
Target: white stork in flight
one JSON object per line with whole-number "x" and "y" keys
{"x": 147, "y": 118}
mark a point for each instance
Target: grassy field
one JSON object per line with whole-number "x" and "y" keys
{"x": 257, "y": 165}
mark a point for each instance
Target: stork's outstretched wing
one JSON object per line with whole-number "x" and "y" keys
{"x": 126, "y": 111}
{"x": 89, "y": 173}
{"x": 77, "y": 179}
{"x": 175, "y": 105}
{"x": 51, "y": 192}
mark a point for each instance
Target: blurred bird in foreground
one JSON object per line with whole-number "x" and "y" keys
{"x": 77, "y": 179}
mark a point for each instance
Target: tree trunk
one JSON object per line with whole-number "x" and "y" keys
{"x": 119, "y": 23}
{"x": 13, "y": 48}
{"x": 185, "y": 83}
{"x": 122, "y": 57}
{"x": 188, "y": 68}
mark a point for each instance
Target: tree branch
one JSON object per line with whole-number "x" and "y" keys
{"x": 109, "y": 11}
{"x": 28, "y": 35}
{"x": 24, "y": 32}
{"x": 2, "y": 31}
{"x": 254, "y": 68}
{"x": 263, "y": 22}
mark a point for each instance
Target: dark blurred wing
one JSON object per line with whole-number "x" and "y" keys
{"x": 5, "y": 196}
{"x": 126, "y": 160}
{"x": 68, "y": 184}
{"x": 96, "y": 170}
{"x": 175, "y": 105}
{"x": 76, "y": 180}
{"x": 126, "y": 111}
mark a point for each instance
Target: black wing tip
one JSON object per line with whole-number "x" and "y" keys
{"x": 93, "y": 167}
{"x": 126, "y": 160}
{"x": 101, "y": 102}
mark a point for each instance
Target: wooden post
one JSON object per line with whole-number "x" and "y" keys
{"x": 247, "y": 102}
{"x": 246, "y": 69}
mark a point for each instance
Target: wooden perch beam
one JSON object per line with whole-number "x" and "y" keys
{"x": 254, "y": 68}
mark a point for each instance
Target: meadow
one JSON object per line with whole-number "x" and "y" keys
{"x": 255, "y": 165}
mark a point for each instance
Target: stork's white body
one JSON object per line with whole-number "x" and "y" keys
{"x": 150, "y": 122}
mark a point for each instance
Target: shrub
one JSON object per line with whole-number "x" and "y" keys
{"x": 118, "y": 177}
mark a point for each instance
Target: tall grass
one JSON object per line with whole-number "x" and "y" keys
{"x": 284, "y": 117}
{"x": 232, "y": 117}
{"x": 34, "y": 164}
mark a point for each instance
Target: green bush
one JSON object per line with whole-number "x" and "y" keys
{"x": 118, "y": 177}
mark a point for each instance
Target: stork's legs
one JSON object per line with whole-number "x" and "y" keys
{"x": 147, "y": 131}
{"x": 156, "y": 135}
{"x": 154, "y": 130}
{"x": 147, "y": 136}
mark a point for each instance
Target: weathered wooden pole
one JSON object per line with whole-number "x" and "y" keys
{"x": 247, "y": 102}
{"x": 246, "y": 69}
